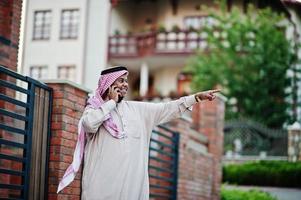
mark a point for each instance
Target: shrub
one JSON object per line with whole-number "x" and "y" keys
{"x": 264, "y": 173}
{"x": 245, "y": 195}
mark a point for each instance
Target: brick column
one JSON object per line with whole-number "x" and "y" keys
{"x": 294, "y": 142}
{"x": 200, "y": 151}
{"x": 68, "y": 104}
{"x": 195, "y": 163}
{"x": 208, "y": 118}
{"x": 10, "y": 11}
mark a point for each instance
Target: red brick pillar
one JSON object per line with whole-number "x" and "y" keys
{"x": 208, "y": 118}
{"x": 10, "y": 20}
{"x": 68, "y": 104}
{"x": 10, "y": 11}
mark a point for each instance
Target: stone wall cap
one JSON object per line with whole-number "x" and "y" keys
{"x": 295, "y": 127}
{"x": 222, "y": 97}
{"x": 71, "y": 83}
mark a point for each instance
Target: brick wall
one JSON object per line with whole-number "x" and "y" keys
{"x": 10, "y": 12}
{"x": 195, "y": 163}
{"x": 68, "y": 105}
{"x": 211, "y": 124}
{"x": 10, "y": 20}
{"x": 200, "y": 153}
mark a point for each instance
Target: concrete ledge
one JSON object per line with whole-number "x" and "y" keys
{"x": 73, "y": 84}
{"x": 199, "y": 136}
{"x": 197, "y": 147}
{"x": 222, "y": 97}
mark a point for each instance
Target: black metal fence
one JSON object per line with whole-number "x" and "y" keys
{"x": 249, "y": 138}
{"x": 25, "y": 112}
{"x": 163, "y": 163}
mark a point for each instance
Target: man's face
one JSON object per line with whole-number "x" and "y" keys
{"x": 122, "y": 84}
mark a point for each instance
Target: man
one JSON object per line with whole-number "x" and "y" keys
{"x": 117, "y": 135}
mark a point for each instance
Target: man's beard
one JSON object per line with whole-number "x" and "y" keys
{"x": 120, "y": 98}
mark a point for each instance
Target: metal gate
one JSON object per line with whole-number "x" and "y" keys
{"x": 25, "y": 112}
{"x": 163, "y": 163}
{"x": 249, "y": 138}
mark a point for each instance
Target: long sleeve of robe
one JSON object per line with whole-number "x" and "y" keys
{"x": 117, "y": 169}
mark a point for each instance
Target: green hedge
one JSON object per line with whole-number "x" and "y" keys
{"x": 245, "y": 195}
{"x": 264, "y": 173}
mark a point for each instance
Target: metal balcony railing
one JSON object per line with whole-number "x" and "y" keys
{"x": 151, "y": 43}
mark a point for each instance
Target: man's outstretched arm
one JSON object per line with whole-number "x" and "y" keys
{"x": 160, "y": 113}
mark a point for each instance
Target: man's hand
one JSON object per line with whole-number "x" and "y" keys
{"x": 113, "y": 93}
{"x": 206, "y": 95}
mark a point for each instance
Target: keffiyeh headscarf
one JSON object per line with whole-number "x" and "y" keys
{"x": 107, "y": 78}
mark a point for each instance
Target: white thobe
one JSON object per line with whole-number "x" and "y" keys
{"x": 117, "y": 169}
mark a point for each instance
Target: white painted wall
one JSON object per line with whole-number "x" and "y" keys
{"x": 165, "y": 80}
{"x": 122, "y": 17}
{"x": 297, "y": 20}
{"x": 54, "y": 52}
{"x": 88, "y": 52}
{"x": 132, "y": 16}
{"x": 185, "y": 8}
{"x": 95, "y": 52}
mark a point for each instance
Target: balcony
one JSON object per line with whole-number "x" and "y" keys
{"x": 156, "y": 43}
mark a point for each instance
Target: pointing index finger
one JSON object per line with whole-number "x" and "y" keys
{"x": 215, "y": 91}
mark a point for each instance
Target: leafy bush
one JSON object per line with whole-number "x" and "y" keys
{"x": 264, "y": 173}
{"x": 245, "y": 195}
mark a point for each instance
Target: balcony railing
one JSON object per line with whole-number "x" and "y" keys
{"x": 151, "y": 43}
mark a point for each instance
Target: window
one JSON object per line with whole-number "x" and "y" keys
{"x": 69, "y": 24}
{"x": 38, "y": 72}
{"x": 41, "y": 28}
{"x": 66, "y": 72}
{"x": 198, "y": 22}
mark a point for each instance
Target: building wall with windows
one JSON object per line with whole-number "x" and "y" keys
{"x": 165, "y": 60}
{"x": 296, "y": 18}
{"x": 150, "y": 14}
{"x": 293, "y": 32}
{"x": 54, "y": 38}
{"x": 66, "y": 40}
{"x": 168, "y": 58}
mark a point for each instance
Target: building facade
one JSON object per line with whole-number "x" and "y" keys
{"x": 294, "y": 32}
{"x": 65, "y": 40}
{"x": 75, "y": 40}
{"x": 158, "y": 38}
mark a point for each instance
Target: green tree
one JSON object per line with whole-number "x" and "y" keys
{"x": 249, "y": 56}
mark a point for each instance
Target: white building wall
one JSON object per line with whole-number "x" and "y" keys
{"x": 88, "y": 52}
{"x": 127, "y": 16}
{"x": 95, "y": 52}
{"x": 297, "y": 20}
{"x": 122, "y": 18}
{"x": 185, "y": 8}
{"x": 54, "y": 52}
{"x": 165, "y": 80}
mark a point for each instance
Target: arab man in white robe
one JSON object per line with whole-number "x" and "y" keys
{"x": 114, "y": 138}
